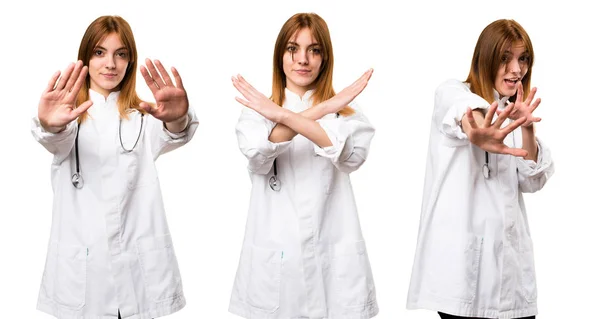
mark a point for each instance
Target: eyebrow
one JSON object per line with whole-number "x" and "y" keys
{"x": 103, "y": 48}
{"x": 310, "y": 45}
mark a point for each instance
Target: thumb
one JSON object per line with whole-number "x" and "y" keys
{"x": 82, "y": 108}
{"x": 147, "y": 107}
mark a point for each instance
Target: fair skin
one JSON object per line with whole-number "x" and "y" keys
{"x": 108, "y": 65}
{"x": 490, "y": 136}
{"x": 300, "y": 61}
{"x": 107, "y": 69}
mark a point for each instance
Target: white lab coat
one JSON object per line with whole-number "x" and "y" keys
{"x": 303, "y": 254}
{"x": 110, "y": 247}
{"x": 474, "y": 255}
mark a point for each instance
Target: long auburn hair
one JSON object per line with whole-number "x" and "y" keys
{"x": 324, "y": 81}
{"x": 96, "y": 32}
{"x": 494, "y": 40}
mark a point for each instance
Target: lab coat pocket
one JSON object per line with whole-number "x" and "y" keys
{"x": 353, "y": 279}
{"x": 70, "y": 275}
{"x": 528, "y": 284}
{"x": 452, "y": 270}
{"x": 159, "y": 267}
{"x": 265, "y": 278}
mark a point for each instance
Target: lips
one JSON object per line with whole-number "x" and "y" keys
{"x": 109, "y": 75}
{"x": 302, "y": 71}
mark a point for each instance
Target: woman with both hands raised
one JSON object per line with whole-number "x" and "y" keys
{"x": 110, "y": 252}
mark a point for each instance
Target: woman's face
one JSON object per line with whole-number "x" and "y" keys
{"x": 302, "y": 62}
{"x": 108, "y": 65}
{"x": 514, "y": 66}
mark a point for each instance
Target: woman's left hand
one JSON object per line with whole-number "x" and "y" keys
{"x": 524, "y": 108}
{"x": 171, "y": 99}
{"x": 256, "y": 100}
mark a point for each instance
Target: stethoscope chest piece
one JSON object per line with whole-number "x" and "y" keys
{"x": 486, "y": 171}
{"x": 77, "y": 180}
{"x": 275, "y": 183}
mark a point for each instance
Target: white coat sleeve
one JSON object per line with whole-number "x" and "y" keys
{"x": 59, "y": 144}
{"x": 351, "y": 138}
{"x": 533, "y": 175}
{"x": 164, "y": 141}
{"x": 253, "y": 131}
{"x": 452, "y": 99}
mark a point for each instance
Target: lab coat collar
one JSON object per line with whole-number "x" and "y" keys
{"x": 502, "y": 102}
{"x": 289, "y": 95}
{"x": 98, "y": 98}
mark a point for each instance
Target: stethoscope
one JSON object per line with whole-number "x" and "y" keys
{"x": 486, "y": 167}
{"x": 77, "y": 179}
{"x": 274, "y": 182}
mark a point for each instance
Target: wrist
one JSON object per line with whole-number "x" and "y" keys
{"x": 178, "y": 125}
{"x": 52, "y": 129}
{"x": 283, "y": 116}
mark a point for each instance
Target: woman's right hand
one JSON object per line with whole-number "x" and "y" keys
{"x": 347, "y": 95}
{"x": 257, "y": 101}
{"x": 490, "y": 136}
{"x": 57, "y": 105}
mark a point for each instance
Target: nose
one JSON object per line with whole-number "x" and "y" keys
{"x": 110, "y": 62}
{"x": 301, "y": 57}
{"x": 514, "y": 66}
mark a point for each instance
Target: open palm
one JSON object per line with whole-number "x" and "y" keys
{"x": 57, "y": 105}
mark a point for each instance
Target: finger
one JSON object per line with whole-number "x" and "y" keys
{"x": 65, "y": 76}
{"x": 148, "y": 79}
{"x": 81, "y": 109}
{"x": 504, "y": 115}
{"x": 166, "y": 77}
{"x": 489, "y": 116}
{"x": 498, "y": 112}
{"x": 248, "y": 88}
{"x": 512, "y": 126}
{"x": 531, "y": 96}
{"x": 471, "y": 119}
{"x": 148, "y": 108}
{"x": 369, "y": 73}
{"x": 238, "y": 86}
{"x": 74, "y": 75}
{"x": 155, "y": 76}
{"x": 177, "y": 77}
{"x": 242, "y": 101}
{"x": 79, "y": 82}
{"x": 535, "y": 104}
{"x": 519, "y": 92}
{"x": 536, "y": 119}
{"x": 52, "y": 82}
{"x": 518, "y": 152}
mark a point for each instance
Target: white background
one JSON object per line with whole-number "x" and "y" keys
{"x": 412, "y": 47}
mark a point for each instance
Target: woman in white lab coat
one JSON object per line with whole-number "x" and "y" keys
{"x": 474, "y": 255}
{"x": 303, "y": 254}
{"x": 110, "y": 253}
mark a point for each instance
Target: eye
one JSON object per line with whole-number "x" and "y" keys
{"x": 524, "y": 58}
{"x": 98, "y": 52}
{"x": 123, "y": 54}
{"x": 315, "y": 50}
{"x": 292, "y": 48}
{"x": 504, "y": 58}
